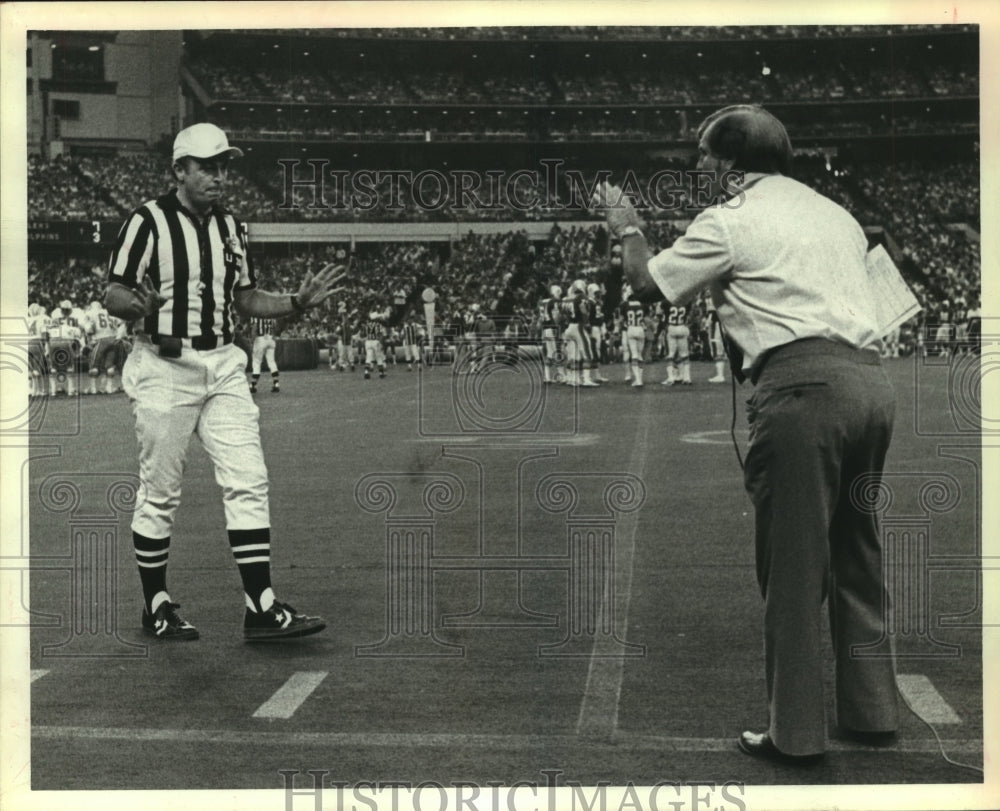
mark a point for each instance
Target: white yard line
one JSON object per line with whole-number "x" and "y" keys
{"x": 925, "y": 700}
{"x": 290, "y": 695}
{"x": 499, "y": 743}
{"x": 37, "y": 674}
{"x": 599, "y": 709}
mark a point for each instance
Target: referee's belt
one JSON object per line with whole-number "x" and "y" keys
{"x": 199, "y": 342}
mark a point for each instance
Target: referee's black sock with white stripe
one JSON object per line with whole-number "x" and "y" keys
{"x": 252, "y": 550}
{"x": 151, "y": 555}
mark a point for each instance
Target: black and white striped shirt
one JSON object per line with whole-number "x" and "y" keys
{"x": 197, "y": 263}
{"x": 410, "y": 335}
{"x": 374, "y": 330}
{"x": 263, "y": 326}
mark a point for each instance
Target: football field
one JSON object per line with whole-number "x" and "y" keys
{"x": 519, "y": 580}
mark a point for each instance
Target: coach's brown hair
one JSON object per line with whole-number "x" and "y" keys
{"x": 751, "y": 137}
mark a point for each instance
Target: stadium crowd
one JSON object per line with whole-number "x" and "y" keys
{"x": 506, "y": 275}
{"x": 314, "y": 84}
{"x": 602, "y": 33}
{"x": 58, "y": 191}
{"x": 274, "y": 88}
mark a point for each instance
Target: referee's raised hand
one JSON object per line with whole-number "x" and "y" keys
{"x": 317, "y": 289}
{"x": 144, "y": 300}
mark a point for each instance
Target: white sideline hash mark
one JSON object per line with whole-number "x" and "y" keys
{"x": 290, "y": 695}
{"x": 37, "y": 674}
{"x": 925, "y": 700}
{"x": 719, "y": 437}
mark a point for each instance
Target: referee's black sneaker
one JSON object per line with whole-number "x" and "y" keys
{"x": 164, "y": 623}
{"x": 280, "y": 621}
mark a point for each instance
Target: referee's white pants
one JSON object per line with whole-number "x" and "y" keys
{"x": 374, "y": 353}
{"x": 203, "y": 393}
{"x": 263, "y": 348}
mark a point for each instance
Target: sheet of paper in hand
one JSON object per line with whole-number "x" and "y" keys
{"x": 895, "y": 303}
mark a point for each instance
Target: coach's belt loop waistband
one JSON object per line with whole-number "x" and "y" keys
{"x": 814, "y": 347}
{"x": 199, "y": 342}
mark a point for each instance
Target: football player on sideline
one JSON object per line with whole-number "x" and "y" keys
{"x": 548, "y": 313}
{"x": 678, "y": 347}
{"x": 262, "y": 330}
{"x": 105, "y": 332}
{"x": 66, "y": 340}
{"x": 38, "y": 349}
{"x": 577, "y": 335}
{"x": 594, "y": 302}
{"x": 715, "y": 346}
{"x": 634, "y": 312}
{"x": 374, "y": 332}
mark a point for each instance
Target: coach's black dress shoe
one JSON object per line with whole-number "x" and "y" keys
{"x": 760, "y": 745}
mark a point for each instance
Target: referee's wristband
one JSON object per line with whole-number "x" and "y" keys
{"x": 296, "y": 305}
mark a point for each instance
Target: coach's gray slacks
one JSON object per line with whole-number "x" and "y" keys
{"x": 820, "y": 416}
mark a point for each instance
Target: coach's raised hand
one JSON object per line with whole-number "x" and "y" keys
{"x": 617, "y": 209}
{"x": 317, "y": 289}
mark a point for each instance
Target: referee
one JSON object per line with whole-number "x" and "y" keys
{"x": 179, "y": 269}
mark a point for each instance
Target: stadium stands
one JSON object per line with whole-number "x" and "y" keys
{"x": 394, "y": 98}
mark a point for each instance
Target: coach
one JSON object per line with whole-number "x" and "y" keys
{"x": 786, "y": 270}
{"x": 179, "y": 268}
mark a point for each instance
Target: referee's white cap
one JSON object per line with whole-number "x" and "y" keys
{"x": 203, "y": 141}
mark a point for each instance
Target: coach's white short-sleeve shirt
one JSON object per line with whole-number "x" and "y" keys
{"x": 782, "y": 263}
